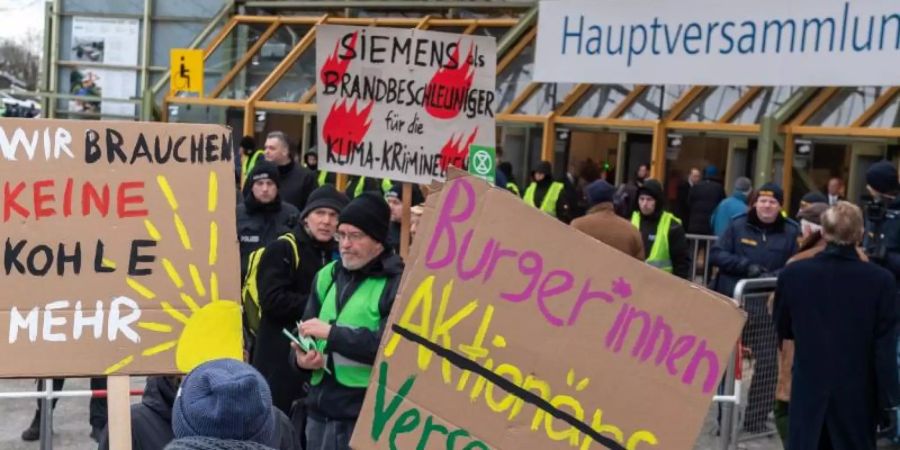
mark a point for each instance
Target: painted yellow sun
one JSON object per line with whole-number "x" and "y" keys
{"x": 212, "y": 331}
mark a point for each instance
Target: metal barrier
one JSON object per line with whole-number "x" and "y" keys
{"x": 700, "y": 248}
{"x": 47, "y": 396}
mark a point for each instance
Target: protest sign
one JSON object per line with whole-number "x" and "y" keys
{"x": 511, "y": 330}
{"x": 120, "y": 248}
{"x": 402, "y": 104}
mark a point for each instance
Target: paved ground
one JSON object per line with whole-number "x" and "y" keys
{"x": 71, "y": 427}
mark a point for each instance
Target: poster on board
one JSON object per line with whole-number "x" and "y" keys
{"x": 120, "y": 255}
{"x": 402, "y": 104}
{"x": 104, "y": 41}
{"x": 499, "y": 339}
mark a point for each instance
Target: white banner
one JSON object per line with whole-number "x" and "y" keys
{"x": 103, "y": 41}
{"x": 402, "y": 104}
{"x": 720, "y": 42}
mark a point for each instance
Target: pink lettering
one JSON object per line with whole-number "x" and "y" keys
{"x": 544, "y": 292}
{"x": 584, "y": 296}
{"x": 444, "y": 225}
{"x": 712, "y": 362}
{"x": 681, "y": 347}
{"x": 532, "y": 270}
{"x": 467, "y": 275}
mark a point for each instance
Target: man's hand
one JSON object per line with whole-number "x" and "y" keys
{"x": 311, "y": 360}
{"x": 315, "y": 328}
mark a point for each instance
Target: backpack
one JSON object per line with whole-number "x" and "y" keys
{"x": 250, "y": 291}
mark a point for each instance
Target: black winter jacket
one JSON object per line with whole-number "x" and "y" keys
{"x": 151, "y": 419}
{"x": 678, "y": 245}
{"x": 295, "y": 184}
{"x": 283, "y": 292}
{"x": 331, "y": 400}
{"x": 703, "y": 199}
{"x": 748, "y": 241}
{"x": 259, "y": 225}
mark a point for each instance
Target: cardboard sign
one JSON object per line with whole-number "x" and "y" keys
{"x": 514, "y": 331}
{"x": 120, "y": 248}
{"x": 186, "y": 73}
{"x": 402, "y": 104}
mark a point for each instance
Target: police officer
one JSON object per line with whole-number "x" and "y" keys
{"x": 661, "y": 232}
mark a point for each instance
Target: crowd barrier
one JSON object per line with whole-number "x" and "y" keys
{"x": 700, "y": 246}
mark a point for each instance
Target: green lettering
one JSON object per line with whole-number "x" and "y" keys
{"x": 382, "y": 415}
{"x": 426, "y": 432}
{"x": 451, "y": 438}
{"x": 476, "y": 445}
{"x": 407, "y": 422}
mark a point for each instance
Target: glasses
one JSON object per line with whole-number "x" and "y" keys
{"x": 349, "y": 237}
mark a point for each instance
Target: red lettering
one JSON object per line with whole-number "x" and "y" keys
{"x": 123, "y": 200}
{"x": 67, "y": 198}
{"x": 90, "y": 195}
{"x": 9, "y": 201}
{"x": 40, "y": 199}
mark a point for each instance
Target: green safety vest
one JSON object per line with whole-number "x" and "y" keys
{"x": 323, "y": 177}
{"x": 548, "y": 205}
{"x": 249, "y": 164}
{"x": 360, "y": 311}
{"x": 659, "y": 255}
{"x": 513, "y": 188}
{"x": 386, "y": 185}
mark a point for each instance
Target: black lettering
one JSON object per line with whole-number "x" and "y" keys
{"x": 62, "y": 258}
{"x": 403, "y": 48}
{"x": 196, "y": 148}
{"x": 92, "y": 151}
{"x": 114, "y": 146}
{"x": 349, "y": 52}
{"x": 136, "y": 257}
{"x": 376, "y": 49}
{"x": 211, "y": 149}
{"x": 420, "y": 52}
{"x": 227, "y": 147}
{"x": 33, "y": 260}
{"x": 141, "y": 150}
{"x": 178, "y": 156}
{"x": 162, "y": 158}
{"x": 11, "y": 256}
{"x": 98, "y": 260}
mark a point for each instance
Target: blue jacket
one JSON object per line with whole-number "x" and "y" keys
{"x": 727, "y": 210}
{"x": 746, "y": 242}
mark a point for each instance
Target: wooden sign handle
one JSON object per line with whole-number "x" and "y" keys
{"x": 406, "y": 220}
{"x": 119, "y": 406}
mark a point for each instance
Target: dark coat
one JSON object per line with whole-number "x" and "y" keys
{"x": 295, "y": 184}
{"x": 151, "y": 419}
{"x": 678, "y": 244}
{"x": 889, "y": 236}
{"x": 330, "y": 400}
{"x": 681, "y": 201}
{"x": 842, "y": 315}
{"x": 603, "y": 224}
{"x": 283, "y": 292}
{"x": 703, "y": 199}
{"x": 370, "y": 184}
{"x": 748, "y": 241}
{"x": 563, "y": 208}
{"x": 259, "y": 225}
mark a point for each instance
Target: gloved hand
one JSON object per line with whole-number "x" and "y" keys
{"x": 755, "y": 270}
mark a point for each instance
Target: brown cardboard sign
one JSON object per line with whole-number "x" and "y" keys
{"x": 512, "y": 330}
{"x": 119, "y": 247}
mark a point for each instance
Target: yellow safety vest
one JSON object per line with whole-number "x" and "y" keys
{"x": 249, "y": 164}
{"x": 548, "y": 205}
{"x": 659, "y": 254}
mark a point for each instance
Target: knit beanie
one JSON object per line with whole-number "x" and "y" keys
{"x": 263, "y": 170}
{"x": 206, "y": 443}
{"x": 772, "y": 190}
{"x": 370, "y": 213}
{"x": 882, "y": 177}
{"x": 600, "y": 192}
{"x": 225, "y": 399}
{"x": 325, "y": 197}
{"x": 813, "y": 197}
{"x": 396, "y": 191}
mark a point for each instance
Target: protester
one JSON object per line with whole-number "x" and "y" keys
{"x": 602, "y": 223}
{"x": 732, "y": 206}
{"x": 626, "y": 197}
{"x": 546, "y": 194}
{"x": 97, "y": 411}
{"x": 682, "y": 207}
{"x": 225, "y": 400}
{"x": 755, "y": 244}
{"x": 356, "y": 185}
{"x": 845, "y": 367}
{"x": 507, "y": 169}
{"x": 811, "y": 198}
{"x": 151, "y": 419}
{"x": 311, "y": 161}
{"x": 284, "y": 280}
{"x": 394, "y": 199}
{"x": 297, "y": 182}
{"x": 366, "y": 278}
{"x": 703, "y": 199}
{"x": 661, "y": 232}
{"x": 414, "y": 219}
{"x": 250, "y": 156}
{"x": 262, "y": 217}
{"x": 835, "y": 190}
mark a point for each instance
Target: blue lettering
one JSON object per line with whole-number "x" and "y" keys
{"x": 594, "y": 44}
{"x": 672, "y": 43}
{"x": 884, "y": 25}
{"x": 609, "y": 39}
{"x": 567, "y": 34}
{"x": 693, "y": 32}
{"x": 709, "y": 35}
{"x": 868, "y": 44}
{"x": 749, "y": 37}
{"x": 728, "y": 37}
{"x": 632, "y": 47}
{"x": 779, "y": 34}
{"x": 844, "y": 25}
{"x": 819, "y": 24}
{"x": 655, "y": 26}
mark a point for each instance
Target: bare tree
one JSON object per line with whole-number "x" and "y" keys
{"x": 20, "y": 61}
